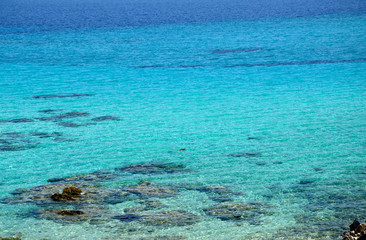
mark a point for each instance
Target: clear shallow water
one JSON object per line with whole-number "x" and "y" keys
{"x": 297, "y": 85}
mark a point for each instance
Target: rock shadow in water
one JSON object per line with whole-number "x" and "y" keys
{"x": 155, "y": 168}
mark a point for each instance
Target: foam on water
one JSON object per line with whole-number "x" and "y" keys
{"x": 288, "y": 135}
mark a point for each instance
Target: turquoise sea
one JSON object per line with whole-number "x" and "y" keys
{"x": 271, "y": 111}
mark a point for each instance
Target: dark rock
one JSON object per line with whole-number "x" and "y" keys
{"x": 318, "y": 169}
{"x": 164, "y": 238}
{"x": 45, "y": 135}
{"x": 154, "y": 168}
{"x": 147, "y": 189}
{"x": 91, "y": 213}
{"x": 306, "y": 181}
{"x": 74, "y": 95}
{"x": 238, "y": 211}
{"x": 67, "y": 194}
{"x": 70, "y": 212}
{"x": 354, "y": 225}
{"x": 127, "y": 217}
{"x": 105, "y": 118}
{"x": 21, "y": 120}
{"x": 91, "y": 194}
{"x": 245, "y": 154}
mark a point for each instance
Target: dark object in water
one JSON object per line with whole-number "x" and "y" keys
{"x": 50, "y": 110}
{"x": 67, "y": 194}
{"x": 238, "y": 50}
{"x": 254, "y": 138}
{"x": 70, "y": 212}
{"x": 21, "y": 120}
{"x": 245, "y": 154}
{"x": 74, "y": 95}
{"x": 105, "y": 118}
{"x": 238, "y": 211}
{"x": 277, "y": 162}
{"x": 73, "y": 125}
{"x": 127, "y": 217}
{"x": 64, "y": 116}
{"x": 164, "y": 218}
{"x": 306, "y": 181}
{"x": 260, "y": 163}
{"x": 147, "y": 189}
{"x": 11, "y": 148}
{"x": 45, "y": 135}
{"x": 154, "y": 168}
{"x": 180, "y": 149}
{"x": 354, "y": 225}
{"x": 318, "y": 169}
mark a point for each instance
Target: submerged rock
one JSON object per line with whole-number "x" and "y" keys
{"x": 64, "y": 116}
{"x": 21, "y": 120}
{"x": 95, "y": 176}
{"x": 246, "y": 154}
{"x": 154, "y": 168}
{"x": 95, "y": 214}
{"x": 73, "y": 125}
{"x": 45, "y": 135}
{"x": 164, "y": 218}
{"x": 105, "y": 118}
{"x": 146, "y": 205}
{"x": 91, "y": 194}
{"x": 238, "y": 211}
{"x": 357, "y": 231}
{"x": 69, "y": 193}
{"x": 147, "y": 189}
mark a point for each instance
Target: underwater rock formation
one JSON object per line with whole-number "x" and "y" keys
{"x": 238, "y": 211}
{"x": 245, "y": 154}
{"x": 69, "y": 193}
{"x": 357, "y": 231}
{"x": 154, "y": 168}
{"x": 164, "y": 218}
{"x": 64, "y": 116}
{"x": 146, "y": 189}
{"x": 105, "y": 118}
{"x": 95, "y": 176}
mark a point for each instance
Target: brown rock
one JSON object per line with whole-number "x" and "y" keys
{"x": 67, "y": 194}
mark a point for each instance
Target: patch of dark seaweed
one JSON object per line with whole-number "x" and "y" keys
{"x": 91, "y": 177}
{"x": 45, "y": 135}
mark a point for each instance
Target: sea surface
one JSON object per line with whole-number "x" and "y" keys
{"x": 258, "y": 104}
